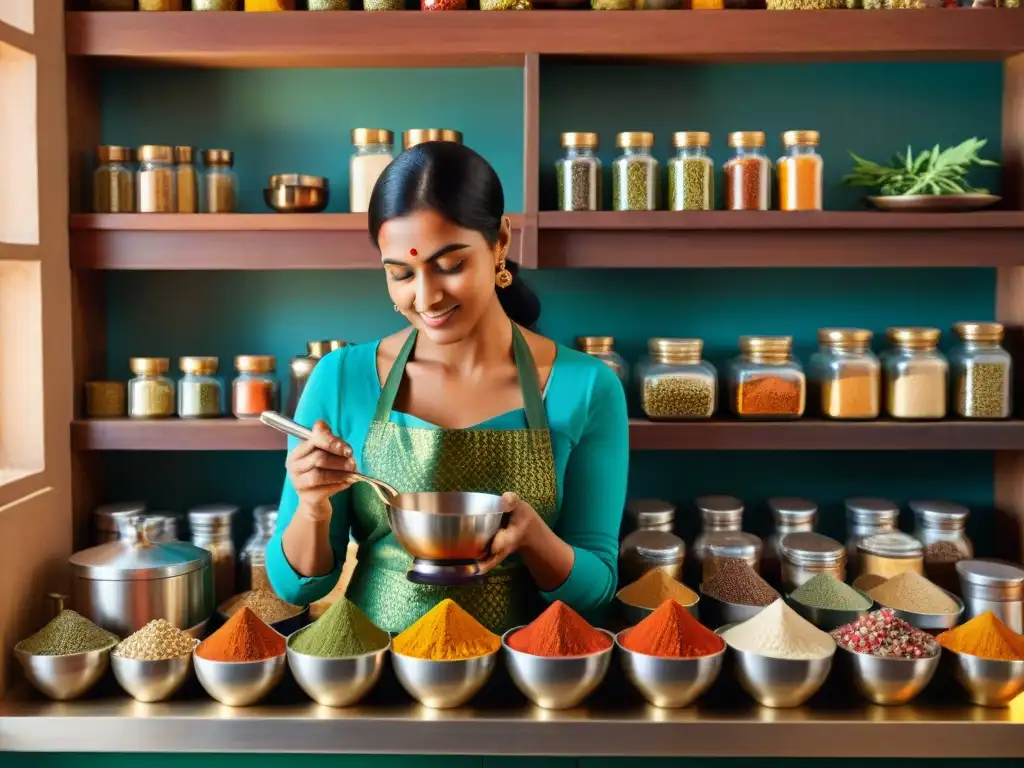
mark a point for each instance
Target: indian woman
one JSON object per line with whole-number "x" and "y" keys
{"x": 466, "y": 398}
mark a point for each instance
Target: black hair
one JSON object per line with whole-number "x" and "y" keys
{"x": 460, "y": 185}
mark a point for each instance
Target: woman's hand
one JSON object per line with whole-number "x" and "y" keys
{"x": 319, "y": 468}
{"x": 515, "y": 536}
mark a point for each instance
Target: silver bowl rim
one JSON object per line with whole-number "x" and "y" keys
{"x": 958, "y": 654}
{"x": 624, "y": 649}
{"x": 934, "y": 658}
{"x": 290, "y": 651}
{"x": 114, "y": 658}
{"x": 406, "y": 657}
{"x": 196, "y": 658}
{"x": 702, "y": 593}
{"x": 645, "y": 608}
{"x": 734, "y": 649}
{"x": 24, "y": 656}
{"x": 507, "y": 647}
{"x": 957, "y": 613}
{"x": 482, "y": 513}
{"x": 790, "y": 599}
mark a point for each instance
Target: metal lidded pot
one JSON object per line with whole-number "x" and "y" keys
{"x": 806, "y": 554}
{"x": 993, "y": 585}
{"x": 731, "y": 545}
{"x": 648, "y": 550}
{"x": 650, "y": 515}
{"x": 125, "y": 584}
{"x": 105, "y": 519}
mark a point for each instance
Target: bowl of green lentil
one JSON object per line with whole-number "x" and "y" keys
{"x": 828, "y": 603}
{"x": 67, "y": 657}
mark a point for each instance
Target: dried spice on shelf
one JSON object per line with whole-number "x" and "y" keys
{"x": 800, "y": 172}
{"x": 635, "y": 174}
{"x": 578, "y": 173}
{"x": 691, "y": 173}
{"x": 747, "y": 173}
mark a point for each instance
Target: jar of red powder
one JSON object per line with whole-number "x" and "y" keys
{"x": 766, "y": 381}
{"x": 747, "y": 173}
{"x": 255, "y": 388}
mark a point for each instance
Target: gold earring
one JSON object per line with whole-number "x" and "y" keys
{"x": 503, "y": 279}
{"x": 396, "y": 308}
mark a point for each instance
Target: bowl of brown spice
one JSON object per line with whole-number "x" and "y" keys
{"x": 637, "y": 601}
{"x": 284, "y": 617}
{"x": 734, "y": 594}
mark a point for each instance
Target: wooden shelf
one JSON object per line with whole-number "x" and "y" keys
{"x": 715, "y": 435}
{"x": 471, "y": 39}
{"x": 778, "y": 239}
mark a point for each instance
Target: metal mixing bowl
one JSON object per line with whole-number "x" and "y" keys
{"x": 443, "y": 684}
{"x": 933, "y": 622}
{"x": 239, "y": 683}
{"x": 717, "y": 613}
{"x": 828, "y": 619}
{"x": 151, "y": 680}
{"x": 445, "y": 526}
{"x": 634, "y": 614}
{"x": 667, "y": 682}
{"x": 557, "y": 682}
{"x": 336, "y": 682}
{"x": 883, "y": 680}
{"x": 988, "y": 682}
{"x": 780, "y": 682}
{"x": 64, "y": 677}
{"x": 296, "y": 199}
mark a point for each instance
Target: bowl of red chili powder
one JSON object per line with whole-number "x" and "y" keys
{"x": 671, "y": 657}
{"x": 559, "y": 659}
{"x": 242, "y": 661}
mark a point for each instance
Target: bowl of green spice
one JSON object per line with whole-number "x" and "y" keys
{"x": 67, "y": 657}
{"x": 338, "y": 658}
{"x": 827, "y": 602}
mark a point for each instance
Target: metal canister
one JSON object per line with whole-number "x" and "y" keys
{"x": 889, "y": 554}
{"x": 165, "y": 526}
{"x": 646, "y": 550}
{"x": 718, "y": 513}
{"x": 210, "y": 525}
{"x": 993, "y": 585}
{"x": 300, "y": 369}
{"x": 252, "y": 570}
{"x": 649, "y": 515}
{"x": 866, "y": 516}
{"x": 106, "y": 519}
{"x": 941, "y": 527}
{"x": 806, "y": 554}
{"x": 791, "y": 515}
{"x": 730, "y": 545}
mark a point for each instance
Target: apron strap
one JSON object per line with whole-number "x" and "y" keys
{"x": 529, "y": 384}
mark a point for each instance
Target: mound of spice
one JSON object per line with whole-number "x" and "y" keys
{"x": 446, "y": 633}
{"x": 881, "y": 633}
{"x": 909, "y": 591}
{"x": 868, "y": 581}
{"x": 157, "y": 641}
{"x": 985, "y": 636}
{"x": 826, "y": 591}
{"x": 244, "y": 637}
{"x": 264, "y": 603}
{"x": 736, "y": 582}
{"x": 68, "y": 632}
{"x": 559, "y": 631}
{"x": 654, "y": 588}
{"x": 342, "y": 631}
{"x": 671, "y": 632}
{"x": 779, "y": 632}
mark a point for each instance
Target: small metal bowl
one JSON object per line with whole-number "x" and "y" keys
{"x": 718, "y": 613}
{"x": 239, "y": 683}
{"x": 296, "y": 199}
{"x": 336, "y": 682}
{"x": 63, "y": 678}
{"x": 931, "y": 622}
{"x": 889, "y": 681}
{"x": 670, "y": 683}
{"x": 634, "y": 614}
{"x": 443, "y": 684}
{"x": 988, "y": 682}
{"x": 451, "y": 526}
{"x": 828, "y": 619}
{"x": 557, "y": 682}
{"x": 149, "y": 681}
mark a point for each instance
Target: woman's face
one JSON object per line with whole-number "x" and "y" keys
{"x": 440, "y": 276}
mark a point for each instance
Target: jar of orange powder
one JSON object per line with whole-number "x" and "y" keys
{"x": 254, "y": 390}
{"x": 800, "y": 172}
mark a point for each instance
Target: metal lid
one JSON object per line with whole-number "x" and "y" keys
{"x": 149, "y": 366}
{"x": 265, "y": 514}
{"x": 790, "y": 510}
{"x": 106, "y": 515}
{"x": 114, "y": 154}
{"x": 746, "y": 139}
{"x": 979, "y": 331}
{"x": 811, "y": 548}
{"x": 691, "y": 139}
{"x": 317, "y": 349}
{"x": 990, "y": 573}
{"x": 165, "y": 525}
{"x": 938, "y": 514}
{"x": 733, "y": 545}
{"x": 648, "y": 512}
{"x": 719, "y": 509}
{"x": 634, "y": 139}
{"x": 655, "y": 546}
{"x": 914, "y": 337}
{"x": 136, "y": 558}
{"x": 255, "y": 363}
{"x": 155, "y": 153}
{"x": 184, "y": 155}
{"x": 669, "y": 350}
{"x": 210, "y": 517}
{"x": 415, "y": 136}
{"x": 199, "y": 365}
{"x": 364, "y": 136}
{"x": 893, "y": 544}
{"x": 865, "y": 510}
{"x": 580, "y": 139}
{"x": 218, "y": 157}
{"x": 794, "y": 138}
{"x": 845, "y": 338}
{"x": 594, "y": 345}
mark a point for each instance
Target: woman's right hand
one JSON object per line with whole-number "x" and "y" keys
{"x": 319, "y": 468}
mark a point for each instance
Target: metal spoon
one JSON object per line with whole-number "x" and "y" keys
{"x": 289, "y": 427}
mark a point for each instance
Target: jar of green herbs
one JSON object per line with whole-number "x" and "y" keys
{"x": 635, "y": 182}
{"x": 691, "y": 173}
{"x": 578, "y": 173}
{"x": 200, "y": 392}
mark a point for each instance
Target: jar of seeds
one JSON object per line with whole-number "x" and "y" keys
{"x": 916, "y": 374}
{"x": 105, "y": 399}
{"x": 691, "y": 173}
{"x": 327, "y": 5}
{"x": 220, "y": 185}
{"x": 635, "y": 182}
{"x": 603, "y": 348}
{"x": 766, "y": 381}
{"x": 845, "y": 374}
{"x": 383, "y": 5}
{"x": 150, "y": 393}
{"x": 747, "y": 173}
{"x": 200, "y": 392}
{"x": 579, "y": 173}
{"x": 941, "y": 526}
{"x": 982, "y": 372}
{"x": 675, "y": 384}
{"x": 156, "y": 185}
{"x": 187, "y": 180}
{"x": 113, "y": 182}
{"x": 506, "y": 5}
{"x": 612, "y": 5}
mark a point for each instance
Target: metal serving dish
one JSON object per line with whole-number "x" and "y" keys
{"x": 445, "y": 526}
{"x": 443, "y": 684}
{"x": 557, "y": 682}
{"x": 239, "y": 683}
{"x": 670, "y": 683}
{"x": 717, "y": 613}
{"x": 827, "y": 618}
{"x": 634, "y": 614}
{"x": 297, "y": 199}
{"x": 887, "y": 681}
{"x": 932, "y": 622}
{"x": 150, "y": 681}
{"x": 336, "y": 682}
{"x": 988, "y": 682}
{"x": 64, "y": 677}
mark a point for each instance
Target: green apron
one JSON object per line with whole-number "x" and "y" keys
{"x": 422, "y": 459}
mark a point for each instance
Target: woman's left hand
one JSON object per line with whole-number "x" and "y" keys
{"x": 515, "y": 536}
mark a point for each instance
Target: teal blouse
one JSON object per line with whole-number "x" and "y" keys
{"x": 586, "y": 411}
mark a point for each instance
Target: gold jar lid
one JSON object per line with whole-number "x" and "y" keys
{"x": 673, "y": 350}
{"x": 845, "y": 338}
{"x": 746, "y": 139}
{"x": 363, "y": 136}
{"x": 914, "y": 338}
{"x": 337, "y": 344}
{"x": 155, "y": 153}
{"x": 634, "y": 139}
{"x": 595, "y": 345}
{"x": 218, "y": 157}
{"x": 149, "y": 366}
{"x": 317, "y": 349}
{"x": 298, "y": 180}
{"x": 255, "y": 363}
{"x": 691, "y": 139}
{"x": 184, "y": 155}
{"x": 580, "y": 139}
{"x": 201, "y": 366}
{"x": 113, "y": 154}
{"x": 774, "y": 348}
{"x": 980, "y": 331}
{"x": 415, "y": 136}
{"x": 793, "y": 138}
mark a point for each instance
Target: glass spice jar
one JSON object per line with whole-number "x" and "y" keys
{"x": 766, "y": 381}
{"x": 730, "y": 545}
{"x": 113, "y": 182}
{"x": 718, "y": 513}
{"x": 603, "y": 348}
{"x": 791, "y": 515}
{"x": 806, "y": 554}
{"x": 442, "y": 5}
{"x": 373, "y": 152}
{"x": 865, "y": 517}
{"x": 675, "y": 383}
{"x": 845, "y": 374}
{"x": 253, "y": 557}
{"x": 254, "y": 390}
{"x": 941, "y": 526}
{"x": 889, "y": 554}
{"x": 646, "y": 550}
{"x": 200, "y": 392}
{"x": 800, "y": 171}
{"x": 415, "y": 136}
{"x": 220, "y": 185}
{"x": 691, "y": 173}
{"x": 105, "y": 399}
{"x": 649, "y": 515}
{"x": 215, "y": 5}
{"x": 579, "y": 173}
{"x": 747, "y": 173}
{"x": 150, "y": 393}
{"x": 186, "y": 179}
{"x": 982, "y": 372}
{"x": 156, "y": 182}
{"x": 916, "y": 374}
{"x": 635, "y": 173}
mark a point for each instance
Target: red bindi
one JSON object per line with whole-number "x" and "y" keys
{"x": 412, "y": 251}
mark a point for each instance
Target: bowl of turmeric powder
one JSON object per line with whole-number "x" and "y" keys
{"x": 988, "y": 659}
